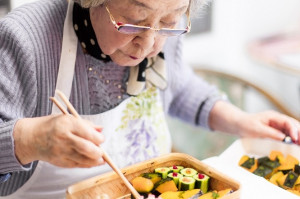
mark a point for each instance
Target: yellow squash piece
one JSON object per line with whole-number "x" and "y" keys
{"x": 171, "y": 195}
{"x": 224, "y": 192}
{"x": 208, "y": 195}
{"x": 280, "y": 181}
{"x": 189, "y": 193}
{"x": 276, "y": 155}
{"x": 179, "y": 194}
{"x": 142, "y": 185}
{"x": 243, "y": 159}
{"x": 297, "y": 184}
{"x": 167, "y": 186}
{"x": 275, "y": 177}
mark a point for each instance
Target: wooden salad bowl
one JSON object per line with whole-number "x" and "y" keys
{"x": 111, "y": 184}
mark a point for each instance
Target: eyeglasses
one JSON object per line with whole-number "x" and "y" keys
{"x": 135, "y": 29}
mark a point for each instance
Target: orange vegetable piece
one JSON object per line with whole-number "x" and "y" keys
{"x": 275, "y": 177}
{"x": 291, "y": 159}
{"x": 142, "y": 185}
{"x": 276, "y": 154}
{"x": 167, "y": 186}
{"x": 243, "y": 159}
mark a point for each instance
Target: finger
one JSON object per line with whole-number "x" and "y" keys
{"x": 87, "y": 148}
{"x": 269, "y": 131}
{"x": 71, "y": 163}
{"x": 88, "y": 132}
{"x": 96, "y": 127}
{"x": 298, "y": 133}
{"x": 286, "y": 125}
{"x": 84, "y": 161}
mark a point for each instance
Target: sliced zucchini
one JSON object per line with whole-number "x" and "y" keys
{"x": 202, "y": 182}
{"x": 163, "y": 171}
{"x": 176, "y": 168}
{"x": 186, "y": 183}
{"x": 188, "y": 172}
{"x": 175, "y": 177}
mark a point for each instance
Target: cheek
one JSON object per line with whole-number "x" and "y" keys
{"x": 108, "y": 38}
{"x": 158, "y": 46}
{"x": 110, "y": 43}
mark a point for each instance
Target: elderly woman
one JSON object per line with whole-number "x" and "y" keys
{"x": 119, "y": 62}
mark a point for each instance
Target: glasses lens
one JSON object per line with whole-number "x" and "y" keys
{"x": 171, "y": 32}
{"x": 131, "y": 29}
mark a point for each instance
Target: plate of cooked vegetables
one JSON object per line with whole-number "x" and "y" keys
{"x": 263, "y": 164}
{"x": 171, "y": 176}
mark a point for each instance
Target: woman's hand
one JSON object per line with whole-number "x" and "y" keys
{"x": 61, "y": 140}
{"x": 228, "y": 118}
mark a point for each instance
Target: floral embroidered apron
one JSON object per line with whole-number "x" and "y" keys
{"x": 135, "y": 131}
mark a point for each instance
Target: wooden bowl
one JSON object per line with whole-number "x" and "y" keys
{"x": 111, "y": 184}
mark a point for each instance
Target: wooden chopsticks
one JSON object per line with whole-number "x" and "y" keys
{"x": 105, "y": 155}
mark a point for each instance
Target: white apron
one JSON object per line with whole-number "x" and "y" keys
{"x": 135, "y": 131}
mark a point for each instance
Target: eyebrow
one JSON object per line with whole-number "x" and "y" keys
{"x": 148, "y": 7}
{"x": 141, "y": 4}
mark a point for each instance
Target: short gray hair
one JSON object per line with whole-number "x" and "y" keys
{"x": 196, "y": 5}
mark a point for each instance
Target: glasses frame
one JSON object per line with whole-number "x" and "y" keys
{"x": 120, "y": 25}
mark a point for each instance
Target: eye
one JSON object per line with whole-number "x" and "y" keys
{"x": 130, "y": 20}
{"x": 168, "y": 24}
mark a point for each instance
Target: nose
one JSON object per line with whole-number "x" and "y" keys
{"x": 145, "y": 40}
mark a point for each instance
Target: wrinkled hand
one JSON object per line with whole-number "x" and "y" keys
{"x": 226, "y": 117}
{"x": 61, "y": 140}
{"x": 269, "y": 124}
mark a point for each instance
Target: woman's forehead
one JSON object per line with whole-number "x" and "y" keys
{"x": 152, "y": 5}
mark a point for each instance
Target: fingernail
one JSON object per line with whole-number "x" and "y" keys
{"x": 287, "y": 140}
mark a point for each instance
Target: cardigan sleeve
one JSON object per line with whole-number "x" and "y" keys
{"x": 18, "y": 87}
{"x": 188, "y": 97}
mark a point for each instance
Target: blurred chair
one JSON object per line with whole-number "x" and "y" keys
{"x": 250, "y": 97}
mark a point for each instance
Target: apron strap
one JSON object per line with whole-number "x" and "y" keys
{"x": 68, "y": 57}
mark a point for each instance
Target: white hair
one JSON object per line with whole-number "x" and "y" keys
{"x": 196, "y": 5}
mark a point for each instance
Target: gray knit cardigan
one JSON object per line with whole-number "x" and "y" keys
{"x": 30, "y": 47}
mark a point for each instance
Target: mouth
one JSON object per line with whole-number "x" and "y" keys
{"x": 133, "y": 57}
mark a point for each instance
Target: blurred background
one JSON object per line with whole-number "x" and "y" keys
{"x": 250, "y": 49}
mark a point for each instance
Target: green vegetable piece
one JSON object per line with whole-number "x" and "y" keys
{"x": 176, "y": 168}
{"x": 262, "y": 160}
{"x": 215, "y": 195}
{"x": 175, "y": 177}
{"x": 263, "y": 171}
{"x": 202, "y": 182}
{"x": 186, "y": 183}
{"x": 297, "y": 169}
{"x": 188, "y": 172}
{"x": 248, "y": 163}
{"x": 163, "y": 171}
{"x": 290, "y": 179}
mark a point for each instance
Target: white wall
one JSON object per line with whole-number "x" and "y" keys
{"x": 235, "y": 24}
